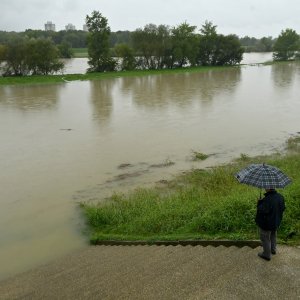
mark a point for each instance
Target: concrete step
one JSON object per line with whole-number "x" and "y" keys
{"x": 161, "y": 272}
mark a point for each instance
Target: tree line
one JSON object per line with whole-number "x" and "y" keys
{"x": 151, "y": 47}
{"x": 74, "y": 38}
{"x": 160, "y": 47}
{"x": 78, "y": 39}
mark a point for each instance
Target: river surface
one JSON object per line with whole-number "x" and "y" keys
{"x": 64, "y": 143}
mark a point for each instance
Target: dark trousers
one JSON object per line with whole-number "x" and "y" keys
{"x": 268, "y": 240}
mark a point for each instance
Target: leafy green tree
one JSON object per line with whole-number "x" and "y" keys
{"x": 287, "y": 45}
{"x": 65, "y": 50}
{"x": 35, "y": 56}
{"x": 42, "y": 57}
{"x": 15, "y": 55}
{"x": 163, "y": 45}
{"x": 126, "y": 53}
{"x": 76, "y": 38}
{"x": 208, "y": 29}
{"x": 228, "y": 50}
{"x": 207, "y": 44}
{"x": 151, "y": 45}
{"x": 98, "y": 44}
{"x": 217, "y": 49}
{"x": 36, "y": 34}
{"x": 119, "y": 37}
{"x": 249, "y": 43}
{"x": 265, "y": 44}
{"x": 184, "y": 44}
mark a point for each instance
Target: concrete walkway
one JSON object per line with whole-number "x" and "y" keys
{"x": 161, "y": 272}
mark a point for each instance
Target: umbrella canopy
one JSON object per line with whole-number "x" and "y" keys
{"x": 263, "y": 176}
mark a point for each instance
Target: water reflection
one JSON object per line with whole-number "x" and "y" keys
{"x": 35, "y": 97}
{"x": 160, "y": 91}
{"x": 283, "y": 74}
{"x": 101, "y": 99}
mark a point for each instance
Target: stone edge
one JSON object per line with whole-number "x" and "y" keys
{"x": 215, "y": 243}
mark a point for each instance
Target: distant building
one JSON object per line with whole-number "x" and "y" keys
{"x": 70, "y": 27}
{"x": 49, "y": 26}
{"x": 85, "y": 28}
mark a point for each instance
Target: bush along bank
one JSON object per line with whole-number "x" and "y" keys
{"x": 199, "y": 204}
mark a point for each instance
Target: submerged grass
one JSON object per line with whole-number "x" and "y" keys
{"x": 200, "y": 204}
{"x": 38, "y": 79}
{"x": 199, "y": 155}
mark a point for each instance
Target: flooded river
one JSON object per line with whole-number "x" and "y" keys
{"x": 66, "y": 143}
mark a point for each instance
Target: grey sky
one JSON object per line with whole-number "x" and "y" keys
{"x": 256, "y": 18}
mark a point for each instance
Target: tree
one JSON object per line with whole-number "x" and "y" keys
{"x": 65, "y": 50}
{"x": 15, "y": 55}
{"x": 208, "y": 29}
{"x": 265, "y": 44}
{"x": 184, "y": 44}
{"x": 126, "y": 54}
{"x": 42, "y": 57}
{"x": 98, "y": 44}
{"x": 151, "y": 44}
{"x": 217, "y": 49}
{"x": 228, "y": 50}
{"x": 119, "y": 37}
{"x": 25, "y": 56}
{"x": 207, "y": 44}
{"x": 287, "y": 45}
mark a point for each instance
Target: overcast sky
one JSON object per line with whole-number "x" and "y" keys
{"x": 255, "y": 18}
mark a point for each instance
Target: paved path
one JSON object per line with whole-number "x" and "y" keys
{"x": 161, "y": 272}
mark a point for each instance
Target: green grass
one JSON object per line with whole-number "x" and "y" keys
{"x": 199, "y": 155}
{"x": 98, "y": 76}
{"x": 200, "y": 204}
{"x": 80, "y": 52}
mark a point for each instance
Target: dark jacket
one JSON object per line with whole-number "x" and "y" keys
{"x": 270, "y": 210}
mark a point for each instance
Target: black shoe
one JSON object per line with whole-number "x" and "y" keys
{"x": 273, "y": 252}
{"x": 263, "y": 257}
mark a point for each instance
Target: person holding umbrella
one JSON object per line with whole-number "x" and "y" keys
{"x": 268, "y": 218}
{"x": 270, "y": 208}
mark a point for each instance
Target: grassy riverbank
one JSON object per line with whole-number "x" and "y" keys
{"x": 43, "y": 79}
{"x": 200, "y": 204}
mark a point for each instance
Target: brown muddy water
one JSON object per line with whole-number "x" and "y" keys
{"x": 81, "y": 141}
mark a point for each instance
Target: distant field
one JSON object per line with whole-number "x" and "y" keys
{"x": 80, "y": 52}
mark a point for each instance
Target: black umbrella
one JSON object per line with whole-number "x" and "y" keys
{"x": 263, "y": 176}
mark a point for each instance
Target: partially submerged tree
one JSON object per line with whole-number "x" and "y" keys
{"x": 228, "y": 50}
{"x": 98, "y": 44}
{"x": 217, "y": 49}
{"x": 42, "y": 57}
{"x": 287, "y": 45}
{"x": 207, "y": 44}
{"x": 15, "y": 56}
{"x": 184, "y": 44}
{"x": 25, "y": 56}
{"x": 151, "y": 45}
{"x": 126, "y": 54}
